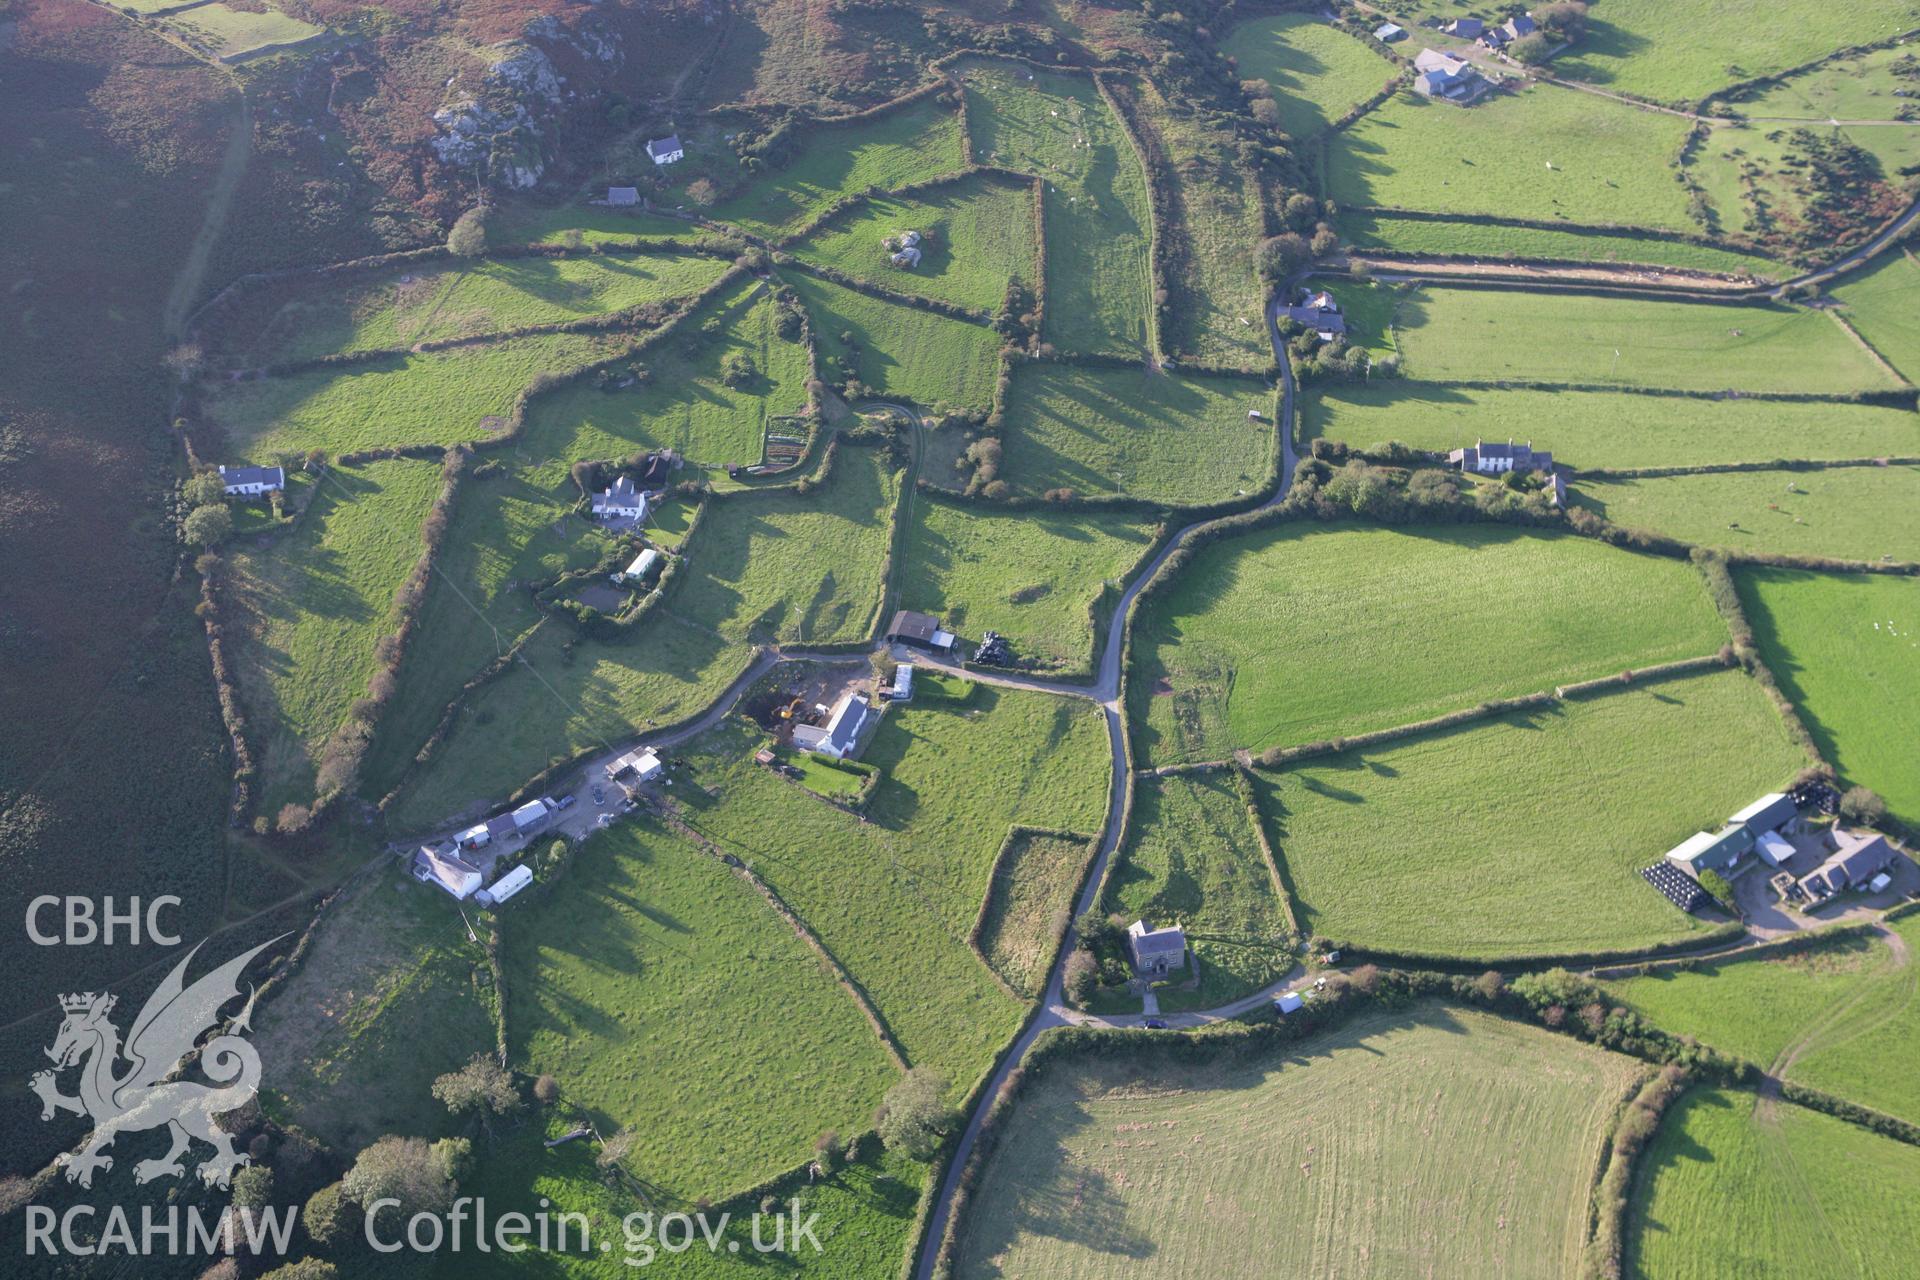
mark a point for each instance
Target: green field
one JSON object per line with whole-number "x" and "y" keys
{"x": 1847, "y": 651}
{"x": 391, "y": 994}
{"x": 514, "y": 222}
{"x": 308, "y": 607}
{"x": 1608, "y": 429}
{"x": 1192, "y": 858}
{"x": 661, "y": 989}
{"x": 686, "y": 404}
{"x": 1730, "y": 1188}
{"x": 439, "y": 398}
{"x": 1480, "y": 240}
{"x": 1842, "y": 1018}
{"x": 1318, "y": 72}
{"x": 1215, "y": 234}
{"x": 1031, "y": 897}
{"x": 232, "y": 34}
{"x": 979, "y": 233}
{"x": 907, "y": 145}
{"x": 1419, "y": 1142}
{"x": 1305, "y": 632}
{"x": 781, "y": 567}
{"x": 894, "y": 897}
{"x": 1671, "y": 53}
{"x": 1524, "y": 845}
{"x": 1159, "y": 437}
{"x": 421, "y": 304}
{"x": 1759, "y": 181}
{"x": 1097, "y": 217}
{"x": 1840, "y": 511}
{"x": 900, "y": 351}
{"x": 1857, "y": 87}
{"x": 1031, "y": 575}
{"x": 1879, "y": 303}
{"x": 1541, "y": 152}
{"x": 1488, "y": 335}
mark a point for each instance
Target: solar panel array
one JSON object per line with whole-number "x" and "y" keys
{"x": 1678, "y": 887}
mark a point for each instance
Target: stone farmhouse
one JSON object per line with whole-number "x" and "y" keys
{"x": 251, "y": 482}
{"x": 1498, "y": 38}
{"x": 665, "y": 151}
{"x": 447, "y": 870}
{"x": 1445, "y": 78}
{"x": 1860, "y": 860}
{"x": 1321, "y": 314}
{"x": 623, "y": 501}
{"x": 1486, "y": 459}
{"x": 1156, "y": 952}
{"x": 840, "y": 734}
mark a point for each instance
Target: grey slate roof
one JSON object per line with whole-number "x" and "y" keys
{"x": 272, "y": 477}
{"x": 666, "y": 146}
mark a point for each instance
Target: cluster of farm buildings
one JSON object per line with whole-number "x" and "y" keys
{"x": 1811, "y": 862}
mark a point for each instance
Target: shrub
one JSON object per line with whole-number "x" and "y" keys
{"x": 1862, "y": 806}
{"x": 913, "y": 1119}
{"x": 209, "y": 525}
{"x": 468, "y": 238}
{"x": 331, "y": 1216}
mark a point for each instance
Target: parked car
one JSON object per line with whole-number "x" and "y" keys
{"x": 1155, "y": 1024}
{"x": 599, "y": 796}
{"x": 564, "y": 802}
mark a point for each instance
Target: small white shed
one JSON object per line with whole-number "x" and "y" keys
{"x": 641, "y": 566}
{"x": 1287, "y": 1001}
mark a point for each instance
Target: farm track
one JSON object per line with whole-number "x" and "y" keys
{"x": 1835, "y": 1027}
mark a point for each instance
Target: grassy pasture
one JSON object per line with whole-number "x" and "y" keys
{"x": 1343, "y": 1157}
{"x": 1451, "y": 334}
{"x": 1193, "y": 859}
{"x": 1841, "y": 511}
{"x": 686, "y": 404}
{"x": 1510, "y": 837}
{"x": 1608, "y": 429}
{"x": 437, "y": 398}
{"x": 1856, "y": 87}
{"x": 900, "y": 351}
{"x": 781, "y": 567}
{"x": 1031, "y": 575}
{"x": 1726, "y": 1190}
{"x": 1539, "y": 152}
{"x": 1160, "y": 437}
{"x": 1318, "y": 72}
{"x": 1669, "y": 53}
{"x": 1757, "y": 181}
{"x": 311, "y": 604}
{"x": 1846, "y": 1011}
{"x": 660, "y": 988}
{"x": 979, "y": 235}
{"x": 1878, "y": 301}
{"x": 907, "y": 145}
{"x": 1847, "y": 651}
{"x": 1031, "y": 892}
{"x": 423, "y": 304}
{"x": 1305, "y": 632}
{"x": 1217, "y": 229}
{"x": 866, "y": 1210}
{"x": 516, "y": 222}
{"x": 233, "y": 33}
{"x": 1098, "y": 222}
{"x": 1474, "y": 239}
{"x": 391, "y": 995}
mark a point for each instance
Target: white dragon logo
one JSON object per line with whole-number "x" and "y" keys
{"x": 174, "y": 1017}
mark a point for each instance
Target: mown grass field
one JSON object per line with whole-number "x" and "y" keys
{"x": 1479, "y": 240}
{"x": 1878, "y": 301}
{"x": 1193, "y": 859}
{"x": 661, "y": 990}
{"x": 866, "y": 1210}
{"x": 686, "y": 404}
{"x": 1343, "y": 1157}
{"x": 1671, "y": 54}
{"x": 1608, "y": 429}
{"x": 911, "y": 144}
{"x": 308, "y": 607}
{"x": 391, "y": 995}
{"x": 1318, "y": 72}
{"x": 1726, "y": 1191}
{"x": 979, "y": 235}
{"x": 437, "y": 398}
{"x": 1845, "y": 1014}
{"x": 1488, "y": 335}
{"x": 1847, "y": 651}
{"x": 1510, "y": 837}
{"x": 1540, "y": 152}
{"x": 1306, "y": 632}
{"x": 1217, "y": 229}
{"x": 1159, "y": 437}
{"x": 900, "y": 351}
{"x": 1031, "y": 896}
{"x": 1840, "y": 511}
{"x": 759, "y": 569}
{"x": 1032, "y": 575}
{"x": 1097, "y": 219}
{"x": 423, "y": 304}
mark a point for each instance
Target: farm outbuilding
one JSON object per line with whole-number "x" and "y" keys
{"x": 919, "y": 629}
{"x": 506, "y": 886}
{"x": 636, "y": 767}
{"x": 531, "y": 816}
{"x": 641, "y": 566}
{"x": 1288, "y": 1001}
{"x": 474, "y": 837}
{"x": 623, "y": 197}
